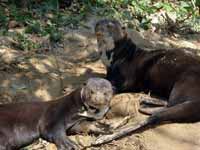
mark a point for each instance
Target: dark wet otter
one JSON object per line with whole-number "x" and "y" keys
{"x": 22, "y": 123}
{"x": 172, "y": 74}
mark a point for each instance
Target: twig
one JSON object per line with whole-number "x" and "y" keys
{"x": 193, "y": 3}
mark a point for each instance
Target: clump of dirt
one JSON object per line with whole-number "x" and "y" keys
{"x": 123, "y": 105}
{"x": 45, "y": 75}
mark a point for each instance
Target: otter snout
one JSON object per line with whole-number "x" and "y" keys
{"x": 97, "y": 94}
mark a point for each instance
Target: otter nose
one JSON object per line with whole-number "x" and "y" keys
{"x": 99, "y": 34}
{"x": 101, "y": 98}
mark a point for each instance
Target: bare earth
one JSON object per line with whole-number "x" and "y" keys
{"x": 48, "y": 73}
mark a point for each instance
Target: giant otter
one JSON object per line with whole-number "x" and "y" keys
{"x": 171, "y": 74}
{"x": 22, "y": 123}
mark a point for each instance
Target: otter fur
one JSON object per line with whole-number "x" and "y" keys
{"x": 171, "y": 74}
{"x": 23, "y": 123}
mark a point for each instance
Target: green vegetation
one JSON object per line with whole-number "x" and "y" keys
{"x": 139, "y": 12}
{"x": 46, "y": 18}
{"x": 22, "y": 42}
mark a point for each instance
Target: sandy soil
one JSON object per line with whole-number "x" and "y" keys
{"x": 48, "y": 73}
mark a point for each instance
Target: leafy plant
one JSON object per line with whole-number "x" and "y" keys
{"x": 3, "y": 18}
{"x": 45, "y": 18}
{"x": 22, "y": 42}
{"x": 35, "y": 27}
{"x": 54, "y": 34}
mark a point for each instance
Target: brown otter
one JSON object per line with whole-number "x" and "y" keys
{"x": 171, "y": 74}
{"x": 22, "y": 123}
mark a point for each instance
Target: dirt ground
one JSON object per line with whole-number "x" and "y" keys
{"x": 48, "y": 73}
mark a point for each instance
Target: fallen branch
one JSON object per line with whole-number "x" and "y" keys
{"x": 119, "y": 134}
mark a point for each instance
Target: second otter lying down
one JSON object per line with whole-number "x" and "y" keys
{"x": 172, "y": 74}
{"x": 22, "y": 123}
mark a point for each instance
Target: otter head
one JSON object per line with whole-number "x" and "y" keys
{"x": 96, "y": 94}
{"x": 108, "y": 32}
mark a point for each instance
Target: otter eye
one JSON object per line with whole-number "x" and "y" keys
{"x": 92, "y": 92}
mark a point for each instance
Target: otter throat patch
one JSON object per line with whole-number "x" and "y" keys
{"x": 107, "y": 59}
